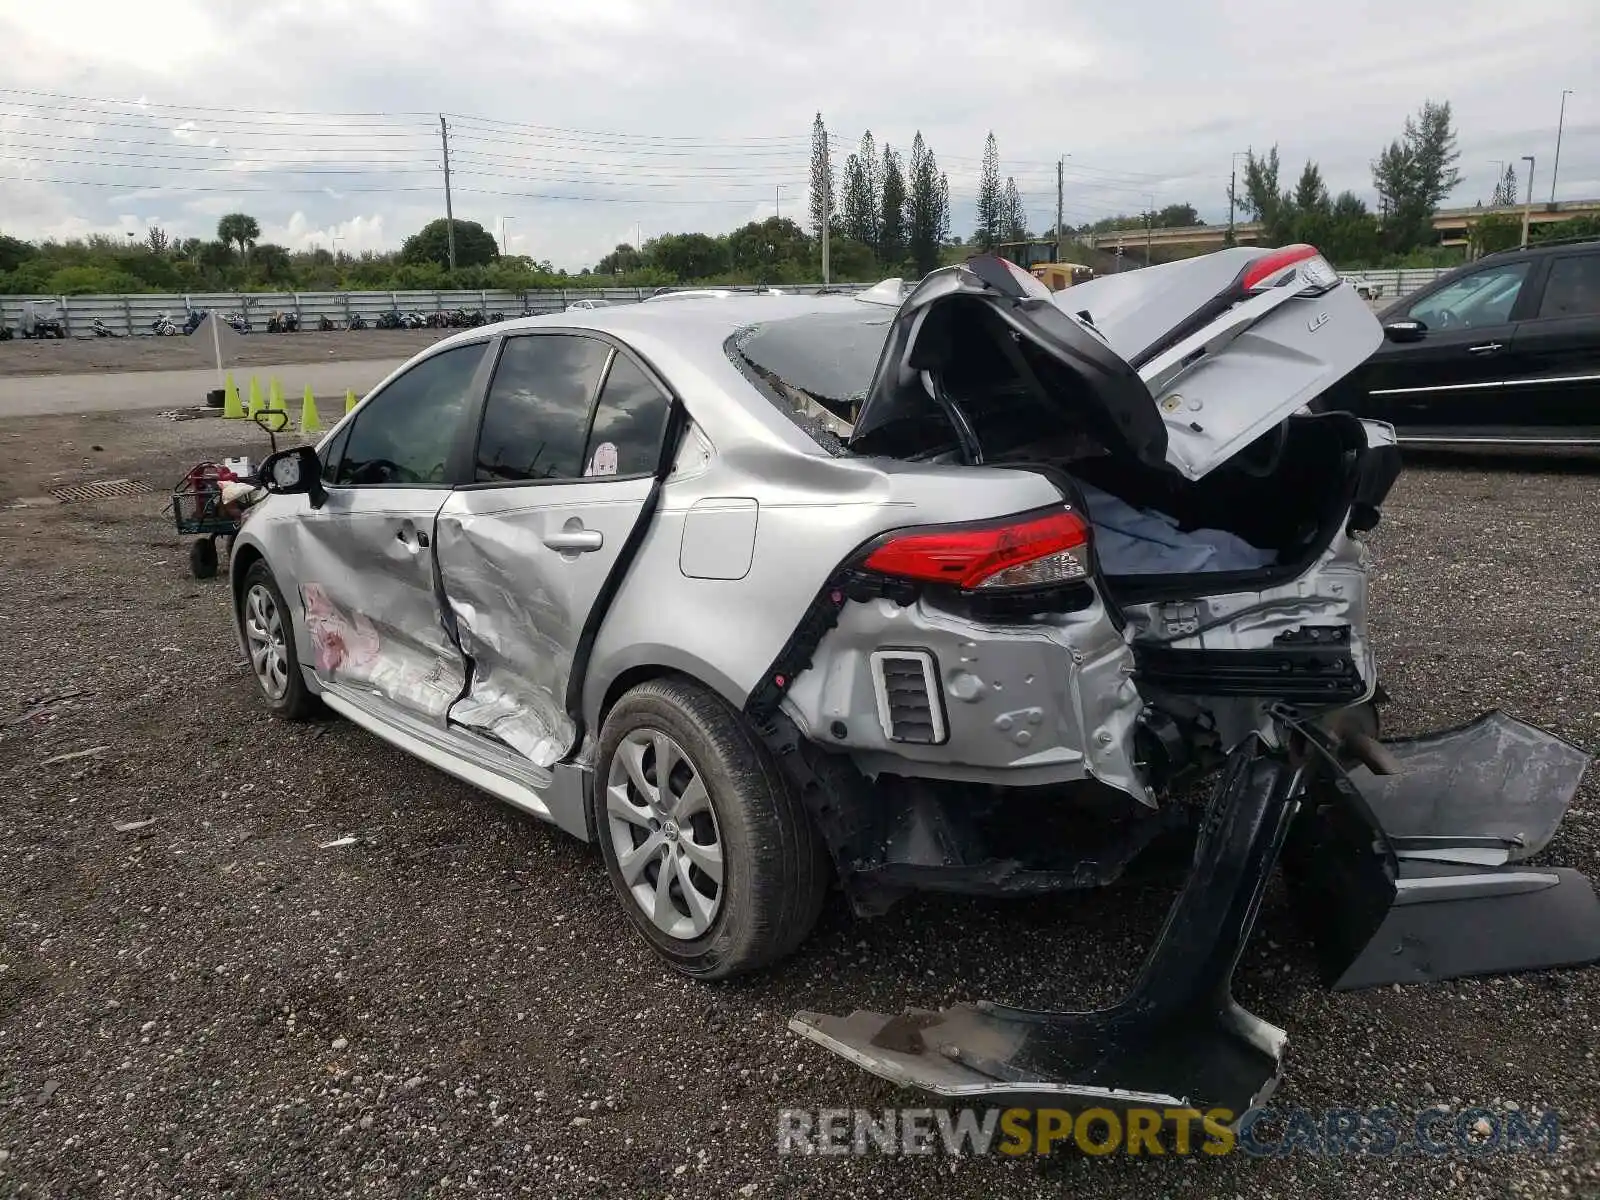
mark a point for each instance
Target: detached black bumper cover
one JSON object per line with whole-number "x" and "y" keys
{"x": 1178, "y": 1039}
{"x": 1420, "y": 875}
{"x": 1400, "y": 878}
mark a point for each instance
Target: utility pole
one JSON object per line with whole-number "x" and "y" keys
{"x": 1233, "y": 180}
{"x": 449, "y": 214}
{"x": 1061, "y": 184}
{"x": 1560, "y": 121}
{"x": 776, "y": 210}
{"x": 827, "y": 220}
{"x": 1149, "y": 229}
{"x": 1527, "y": 209}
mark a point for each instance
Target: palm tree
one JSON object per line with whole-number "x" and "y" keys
{"x": 240, "y": 228}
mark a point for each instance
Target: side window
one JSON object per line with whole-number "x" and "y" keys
{"x": 628, "y": 423}
{"x": 1573, "y": 289}
{"x": 334, "y": 455}
{"x": 538, "y": 408}
{"x": 404, "y": 434}
{"x": 1482, "y": 298}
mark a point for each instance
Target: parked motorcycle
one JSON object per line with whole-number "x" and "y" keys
{"x": 283, "y": 322}
{"x": 325, "y": 324}
{"x": 164, "y": 326}
{"x": 240, "y": 323}
{"x": 102, "y": 330}
{"x": 196, "y": 315}
{"x": 357, "y": 321}
{"x": 391, "y": 320}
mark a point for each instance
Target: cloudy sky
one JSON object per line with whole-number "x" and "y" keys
{"x": 588, "y": 124}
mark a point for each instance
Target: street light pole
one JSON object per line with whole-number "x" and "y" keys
{"x": 1527, "y": 209}
{"x": 1149, "y": 227}
{"x": 1560, "y": 121}
{"x": 505, "y": 242}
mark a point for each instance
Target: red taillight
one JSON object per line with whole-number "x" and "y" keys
{"x": 1028, "y": 553}
{"x": 1316, "y": 273}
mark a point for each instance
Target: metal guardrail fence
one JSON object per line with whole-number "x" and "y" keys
{"x": 1391, "y": 284}
{"x": 136, "y": 313}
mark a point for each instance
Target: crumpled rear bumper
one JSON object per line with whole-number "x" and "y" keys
{"x": 1403, "y": 877}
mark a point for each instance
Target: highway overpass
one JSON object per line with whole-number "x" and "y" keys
{"x": 1451, "y": 222}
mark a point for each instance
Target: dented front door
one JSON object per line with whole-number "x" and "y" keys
{"x": 365, "y": 559}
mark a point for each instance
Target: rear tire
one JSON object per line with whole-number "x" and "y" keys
{"x": 741, "y": 811}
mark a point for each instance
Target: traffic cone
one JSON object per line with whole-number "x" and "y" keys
{"x": 308, "y": 414}
{"x": 275, "y": 396}
{"x": 255, "y": 398}
{"x": 231, "y": 408}
{"x": 349, "y": 400}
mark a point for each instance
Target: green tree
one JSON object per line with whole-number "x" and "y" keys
{"x": 771, "y": 249}
{"x": 1177, "y": 216}
{"x": 1014, "y": 221}
{"x": 157, "y": 241}
{"x": 687, "y": 256}
{"x": 1413, "y": 174}
{"x": 1505, "y": 189}
{"x": 927, "y": 207}
{"x": 822, "y": 202}
{"x": 14, "y": 252}
{"x": 1310, "y": 193}
{"x": 475, "y": 245}
{"x": 991, "y": 201}
{"x": 892, "y": 247}
{"x": 1572, "y": 227}
{"x": 621, "y": 261}
{"x": 860, "y": 217}
{"x": 270, "y": 264}
{"x": 1493, "y": 231}
{"x": 1262, "y": 200}
{"x": 1352, "y": 236}
{"x": 240, "y": 228}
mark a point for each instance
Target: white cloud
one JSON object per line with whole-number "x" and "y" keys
{"x": 1149, "y": 100}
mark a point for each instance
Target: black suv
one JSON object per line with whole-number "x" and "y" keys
{"x": 1503, "y": 351}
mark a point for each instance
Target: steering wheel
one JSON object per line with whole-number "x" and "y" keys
{"x": 1262, "y": 457}
{"x": 1447, "y": 319}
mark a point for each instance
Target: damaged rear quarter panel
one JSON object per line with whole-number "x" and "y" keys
{"x": 1048, "y": 701}
{"x": 814, "y": 512}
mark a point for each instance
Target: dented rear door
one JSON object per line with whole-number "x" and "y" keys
{"x": 565, "y": 461}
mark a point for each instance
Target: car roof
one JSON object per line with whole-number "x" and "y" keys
{"x": 1553, "y": 245}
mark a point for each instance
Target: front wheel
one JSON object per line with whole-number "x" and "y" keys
{"x": 709, "y": 849}
{"x": 269, "y": 640}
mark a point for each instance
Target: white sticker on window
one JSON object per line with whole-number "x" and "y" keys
{"x": 604, "y": 461}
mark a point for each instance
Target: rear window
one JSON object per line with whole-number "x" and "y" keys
{"x": 815, "y": 369}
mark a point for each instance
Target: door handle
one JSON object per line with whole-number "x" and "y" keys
{"x": 575, "y": 541}
{"x": 403, "y": 534}
{"x": 1486, "y": 348}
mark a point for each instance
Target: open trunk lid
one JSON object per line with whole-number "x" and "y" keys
{"x": 1228, "y": 366}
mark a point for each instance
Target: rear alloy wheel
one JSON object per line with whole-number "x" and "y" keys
{"x": 269, "y": 642}
{"x": 711, "y": 853}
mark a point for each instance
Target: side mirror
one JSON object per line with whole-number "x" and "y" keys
{"x": 294, "y": 472}
{"x": 1404, "y": 331}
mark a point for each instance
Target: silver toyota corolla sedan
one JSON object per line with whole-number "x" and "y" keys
{"x": 949, "y": 587}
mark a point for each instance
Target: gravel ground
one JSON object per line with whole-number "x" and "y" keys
{"x": 81, "y": 355}
{"x": 218, "y": 1002}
